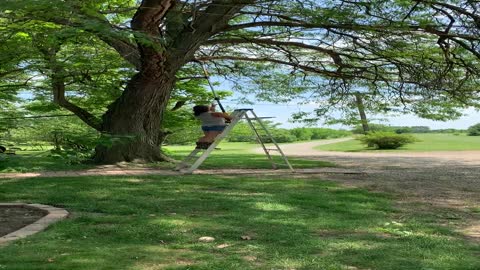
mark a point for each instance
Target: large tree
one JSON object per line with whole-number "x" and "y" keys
{"x": 411, "y": 49}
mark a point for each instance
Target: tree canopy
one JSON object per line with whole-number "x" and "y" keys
{"x": 117, "y": 64}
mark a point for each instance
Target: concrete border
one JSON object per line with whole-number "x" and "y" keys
{"x": 53, "y": 215}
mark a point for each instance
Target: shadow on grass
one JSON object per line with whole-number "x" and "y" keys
{"x": 220, "y": 160}
{"x": 252, "y": 161}
{"x": 37, "y": 161}
{"x": 154, "y": 222}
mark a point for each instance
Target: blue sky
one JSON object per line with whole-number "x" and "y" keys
{"x": 282, "y": 113}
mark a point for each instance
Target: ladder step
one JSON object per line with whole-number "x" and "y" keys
{"x": 272, "y": 149}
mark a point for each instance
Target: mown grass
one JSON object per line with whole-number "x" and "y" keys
{"x": 239, "y": 156}
{"x": 33, "y": 161}
{"x": 154, "y": 222}
{"x": 229, "y": 156}
{"x": 427, "y": 142}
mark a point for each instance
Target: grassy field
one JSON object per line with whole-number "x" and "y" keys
{"x": 229, "y": 156}
{"x": 154, "y": 222}
{"x": 238, "y": 156}
{"x": 427, "y": 142}
{"x": 33, "y": 161}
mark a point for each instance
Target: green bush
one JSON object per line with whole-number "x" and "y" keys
{"x": 184, "y": 136}
{"x": 302, "y": 134}
{"x": 328, "y": 133}
{"x": 280, "y": 135}
{"x": 283, "y": 136}
{"x": 242, "y": 132}
{"x": 386, "y": 140}
{"x": 474, "y": 130}
{"x": 73, "y": 147}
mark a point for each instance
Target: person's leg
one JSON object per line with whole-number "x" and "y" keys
{"x": 207, "y": 137}
{"x": 212, "y": 135}
{"x": 205, "y": 141}
{"x": 204, "y": 138}
{"x": 202, "y": 142}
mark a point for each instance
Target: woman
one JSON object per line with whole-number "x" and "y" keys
{"x": 213, "y": 123}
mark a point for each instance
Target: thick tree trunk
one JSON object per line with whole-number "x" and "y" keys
{"x": 133, "y": 122}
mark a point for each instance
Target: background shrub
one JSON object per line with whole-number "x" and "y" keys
{"x": 474, "y": 130}
{"x": 328, "y": 133}
{"x": 387, "y": 140}
{"x": 280, "y": 136}
{"x": 184, "y": 136}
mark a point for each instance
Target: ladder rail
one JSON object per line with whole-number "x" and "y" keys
{"x": 261, "y": 141}
{"x": 273, "y": 140}
{"x": 184, "y": 163}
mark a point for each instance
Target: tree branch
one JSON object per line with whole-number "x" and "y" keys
{"x": 331, "y": 74}
{"x": 355, "y": 27}
{"x": 121, "y": 44}
{"x": 58, "y": 89}
{"x": 333, "y": 54}
{"x": 207, "y": 23}
{"x": 149, "y": 15}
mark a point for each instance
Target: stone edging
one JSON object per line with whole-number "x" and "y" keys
{"x": 54, "y": 214}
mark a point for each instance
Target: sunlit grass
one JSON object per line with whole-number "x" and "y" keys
{"x": 32, "y": 161}
{"x": 427, "y": 142}
{"x": 228, "y": 156}
{"x": 154, "y": 222}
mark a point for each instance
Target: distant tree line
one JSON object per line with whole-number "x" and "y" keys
{"x": 405, "y": 129}
{"x": 244, "y": 133}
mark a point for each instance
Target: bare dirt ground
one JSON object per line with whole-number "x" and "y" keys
{"x": 442, "y": 182}
{"x": 13, "y": 218}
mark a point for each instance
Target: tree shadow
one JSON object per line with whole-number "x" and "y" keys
{"x": 154, "y": 222}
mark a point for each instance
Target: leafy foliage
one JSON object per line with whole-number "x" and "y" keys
{"x": 387, "y": 140}
{"x": 111, "y": 62}
{"x": 474, "y": 130}
{"x": 243, "y": 133}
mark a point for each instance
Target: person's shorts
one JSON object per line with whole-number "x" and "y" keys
{"x": 213, "y": 128}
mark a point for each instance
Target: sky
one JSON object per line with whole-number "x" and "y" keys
{"x": 282, "y": 114}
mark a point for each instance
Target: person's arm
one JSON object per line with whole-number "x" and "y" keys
{"x": 227, "y": 117}
{"x": 212, "y": 107}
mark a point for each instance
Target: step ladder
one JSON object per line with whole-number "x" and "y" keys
{"x": 192, "y": 162}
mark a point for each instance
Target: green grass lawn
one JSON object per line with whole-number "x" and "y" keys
{"x": 33, "y": 161}
{"x": 230, "y": 156}
{"x": 154, "y": 222}
{"x": 238, "y": 156}
{"x": 427, "y": 142}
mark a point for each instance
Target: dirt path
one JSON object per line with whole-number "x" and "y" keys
{"x": 445, "y": 177}
{"x": 442, "y": 180}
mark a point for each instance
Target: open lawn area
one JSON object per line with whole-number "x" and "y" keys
{"x": 261, "y": 221}
{"x": 154, "y": 222}
{"x": 229, "y": 156}
{"x": 427, "y": 142}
